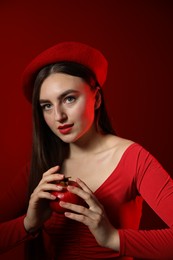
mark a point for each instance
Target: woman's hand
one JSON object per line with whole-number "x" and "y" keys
{"x": 38, "y": 210}
{"x": 94, "y": 217}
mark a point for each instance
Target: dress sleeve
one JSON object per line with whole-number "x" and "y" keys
{"x": 12, "y": 212}
{"x": 13, "y": 233}
{"x": 156, "y": 187}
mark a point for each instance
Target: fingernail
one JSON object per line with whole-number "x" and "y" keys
{"x": 59, "y": 188}
{"x": 70, "y": 187}
{"x": 60, "y": 196}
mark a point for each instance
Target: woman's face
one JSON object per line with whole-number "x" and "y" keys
{"x": 68, "y": 106}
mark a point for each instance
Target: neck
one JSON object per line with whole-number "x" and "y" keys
{"x": 89, "y": 144}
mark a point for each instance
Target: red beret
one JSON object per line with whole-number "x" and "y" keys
{"x": 65, "y": 51}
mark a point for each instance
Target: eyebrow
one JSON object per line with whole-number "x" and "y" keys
{"x": 61, "y": 96}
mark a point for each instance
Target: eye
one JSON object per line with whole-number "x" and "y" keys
{"x": 46, "y": 107}
{"x": 69, "y": 99}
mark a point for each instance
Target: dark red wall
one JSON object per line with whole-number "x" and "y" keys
{"x": 137, "y": 39}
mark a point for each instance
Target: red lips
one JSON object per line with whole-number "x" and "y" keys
{"x": 65, "y": 129}
{"x": 65, "y": 126}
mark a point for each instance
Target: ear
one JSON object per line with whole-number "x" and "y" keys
{"x": 98, "y": 99}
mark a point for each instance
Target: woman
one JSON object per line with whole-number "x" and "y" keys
{"x": 72, "y": 136}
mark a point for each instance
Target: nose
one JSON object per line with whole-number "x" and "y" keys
{"x": 59, "y": 114}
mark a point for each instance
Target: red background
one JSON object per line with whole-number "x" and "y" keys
{"x": 137, "y": 39}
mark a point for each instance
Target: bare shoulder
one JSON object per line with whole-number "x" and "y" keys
{"x": 119, "y": 142}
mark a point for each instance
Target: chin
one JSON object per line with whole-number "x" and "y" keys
{"x": 68, "y": 139}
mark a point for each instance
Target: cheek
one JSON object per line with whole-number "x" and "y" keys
{"x": 48, "y": 120}
{"x": 87, "y": 110}
{"x": 90, "y": 107}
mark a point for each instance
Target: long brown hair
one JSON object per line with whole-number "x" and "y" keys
{"x": 44, "y": 140}
{"x": 47, "y": 149}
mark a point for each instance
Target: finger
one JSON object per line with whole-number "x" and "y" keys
{"x": 49, "y": 187}
{"x": 77, "y": 209}
{"x": 52, "y": 170}
{"x": 42, "y": 195}
{"x": 83, "y": 185}
{"x": 80, "y": 218}
{"x": 87, "y": 190}
{"x": 78, "y": 191}
{"x": 89, "y": 197}
{"x": 74, "y": 207}
{"x": 56, "y": 177}
{"x": 90, "y": 220}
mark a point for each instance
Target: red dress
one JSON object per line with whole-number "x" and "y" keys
{"x": 145, "y": 235}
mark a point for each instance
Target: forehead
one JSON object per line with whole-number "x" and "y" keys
{"x": 58, "y": 83}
